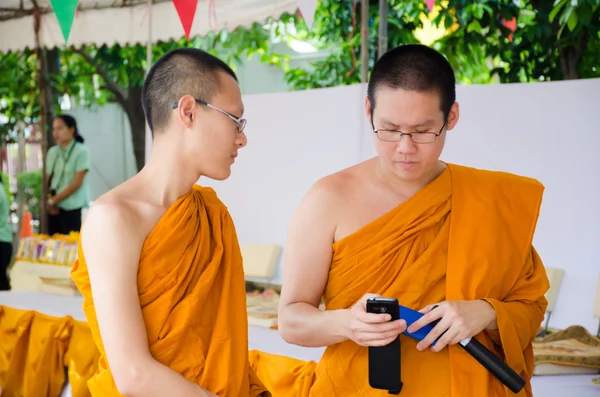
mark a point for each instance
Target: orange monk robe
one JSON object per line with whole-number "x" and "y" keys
{"x": 15, "y": 328}
{"x": 467, "y": 235}
{"x": 81, "y": 359}
{"x": 491, "y": 256}
{"x": 192, "y": 294}
{"x": 288, "y": 376}
{"x": 48, "y": 341}
{"x": 402, "y": 254}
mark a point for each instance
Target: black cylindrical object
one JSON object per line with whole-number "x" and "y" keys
{"x": 497, "y": 367}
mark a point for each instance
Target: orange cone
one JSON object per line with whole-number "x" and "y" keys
{"x": 26, "y": 227}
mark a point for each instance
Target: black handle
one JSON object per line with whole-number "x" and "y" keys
{"x": 497, "y": 367}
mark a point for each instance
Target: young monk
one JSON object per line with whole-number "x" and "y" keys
{"x": 408, "y": 226}
{"x": 159, "y": 264}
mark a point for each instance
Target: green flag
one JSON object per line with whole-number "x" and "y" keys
{"x": 65, "y": 13}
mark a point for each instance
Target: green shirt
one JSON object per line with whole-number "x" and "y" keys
{"x": 6, "y": 235}
{"x": 62, "y": 165}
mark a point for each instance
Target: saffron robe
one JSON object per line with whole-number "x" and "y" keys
{"x": 467, "y": 235}
{"x": 193, "y": 300}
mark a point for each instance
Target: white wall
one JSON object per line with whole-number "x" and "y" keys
{"x": 545, "y": 130}
{"x": 108, "y": 137}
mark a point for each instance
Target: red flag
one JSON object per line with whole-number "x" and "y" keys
{"x": 511, "y": 25}
{"x": 430, "y": 4}
{"x": 186, "y": 9}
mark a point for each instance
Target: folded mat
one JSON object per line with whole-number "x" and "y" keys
{"x": 570, "y": 351}
{"x": 262, "y": 308}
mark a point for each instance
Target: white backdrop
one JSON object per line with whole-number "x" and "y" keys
{"x": 548, "y": 131}
{"x": 108, "y": 137}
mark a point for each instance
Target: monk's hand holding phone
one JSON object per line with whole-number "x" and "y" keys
{"x": 371, "y": 329}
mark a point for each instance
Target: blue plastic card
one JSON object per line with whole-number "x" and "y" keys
{"x": 410, "y": 316}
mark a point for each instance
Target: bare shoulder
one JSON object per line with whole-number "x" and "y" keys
{"x": 117, "y": 223}
{"x": 333, "y": 190}
{"x": 112, "y": 213}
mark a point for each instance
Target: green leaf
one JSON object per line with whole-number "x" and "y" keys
{"x": 448, "y": 22}
{"x": 565, "y": 16}
{"x": 555, "y": 10}
{"x": 474, "y": 26}
{"x": 572, "y": 22}
{"x": 478, "y": 11}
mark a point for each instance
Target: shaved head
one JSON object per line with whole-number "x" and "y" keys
{"x": 414, "y": 67}
{"x": 183, "y": 71}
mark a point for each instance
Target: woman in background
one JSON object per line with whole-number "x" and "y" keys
{"x": 67, "y": 165}
{"x": 6, "y": 239}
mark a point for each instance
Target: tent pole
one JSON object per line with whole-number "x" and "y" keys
{"x": 42, "y": 120}
{"x": 364, "y": 40}
{"x": 149, "y": 43}
{"x": 148, "y": 138}
{"x": 383, "y": 28}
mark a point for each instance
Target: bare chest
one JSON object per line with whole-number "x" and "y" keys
{"x": 363, "y": 208}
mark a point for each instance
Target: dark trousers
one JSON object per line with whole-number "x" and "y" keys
{"x": 5, "y": 257}
{"x": 64, "y": 222}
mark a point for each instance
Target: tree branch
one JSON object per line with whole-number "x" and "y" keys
{"x": 111, "y": 85}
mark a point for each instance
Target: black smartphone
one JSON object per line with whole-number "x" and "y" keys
{"x": 384, "y": 361}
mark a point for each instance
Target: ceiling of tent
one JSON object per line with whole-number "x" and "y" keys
{"x": 128, "y": 21}
{"x": 16, "y": 8}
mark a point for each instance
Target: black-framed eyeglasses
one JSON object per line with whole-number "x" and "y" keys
{"x": 241, "y": 123}
{"x": 416, "y": 137}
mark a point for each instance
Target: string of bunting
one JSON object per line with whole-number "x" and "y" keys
{"x": 66, "y": 10}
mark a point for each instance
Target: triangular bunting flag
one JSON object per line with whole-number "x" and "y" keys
{"x": 186, "y": 9}
{"x": 65, "y": 14}
{"x": 307, "y": 11}
{"x": 430, "y": 4}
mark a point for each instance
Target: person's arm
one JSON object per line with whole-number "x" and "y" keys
{"x": 307, "y": 260}
{"x": 71, "y": 188}
{"x": 50, "y": 158}
{"x": 82, "y": 166}
{"x": 112, "y": 242}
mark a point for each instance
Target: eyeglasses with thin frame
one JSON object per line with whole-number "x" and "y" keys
{"x": 416, "y": 137}
{"x": 241, "y": 123}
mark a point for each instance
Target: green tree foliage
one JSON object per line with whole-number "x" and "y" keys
{"x": 336, "y": 28}
{"x": 535, "y": 51}
{"x": 18, "y": 91}
{"x": 96, "y": 75}
{"x": 479, "y": 44}
{"x": 31, "y": 185}
{"x": 554, "y": 39}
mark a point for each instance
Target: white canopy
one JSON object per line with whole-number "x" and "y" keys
{"x": 128, "y": 21}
